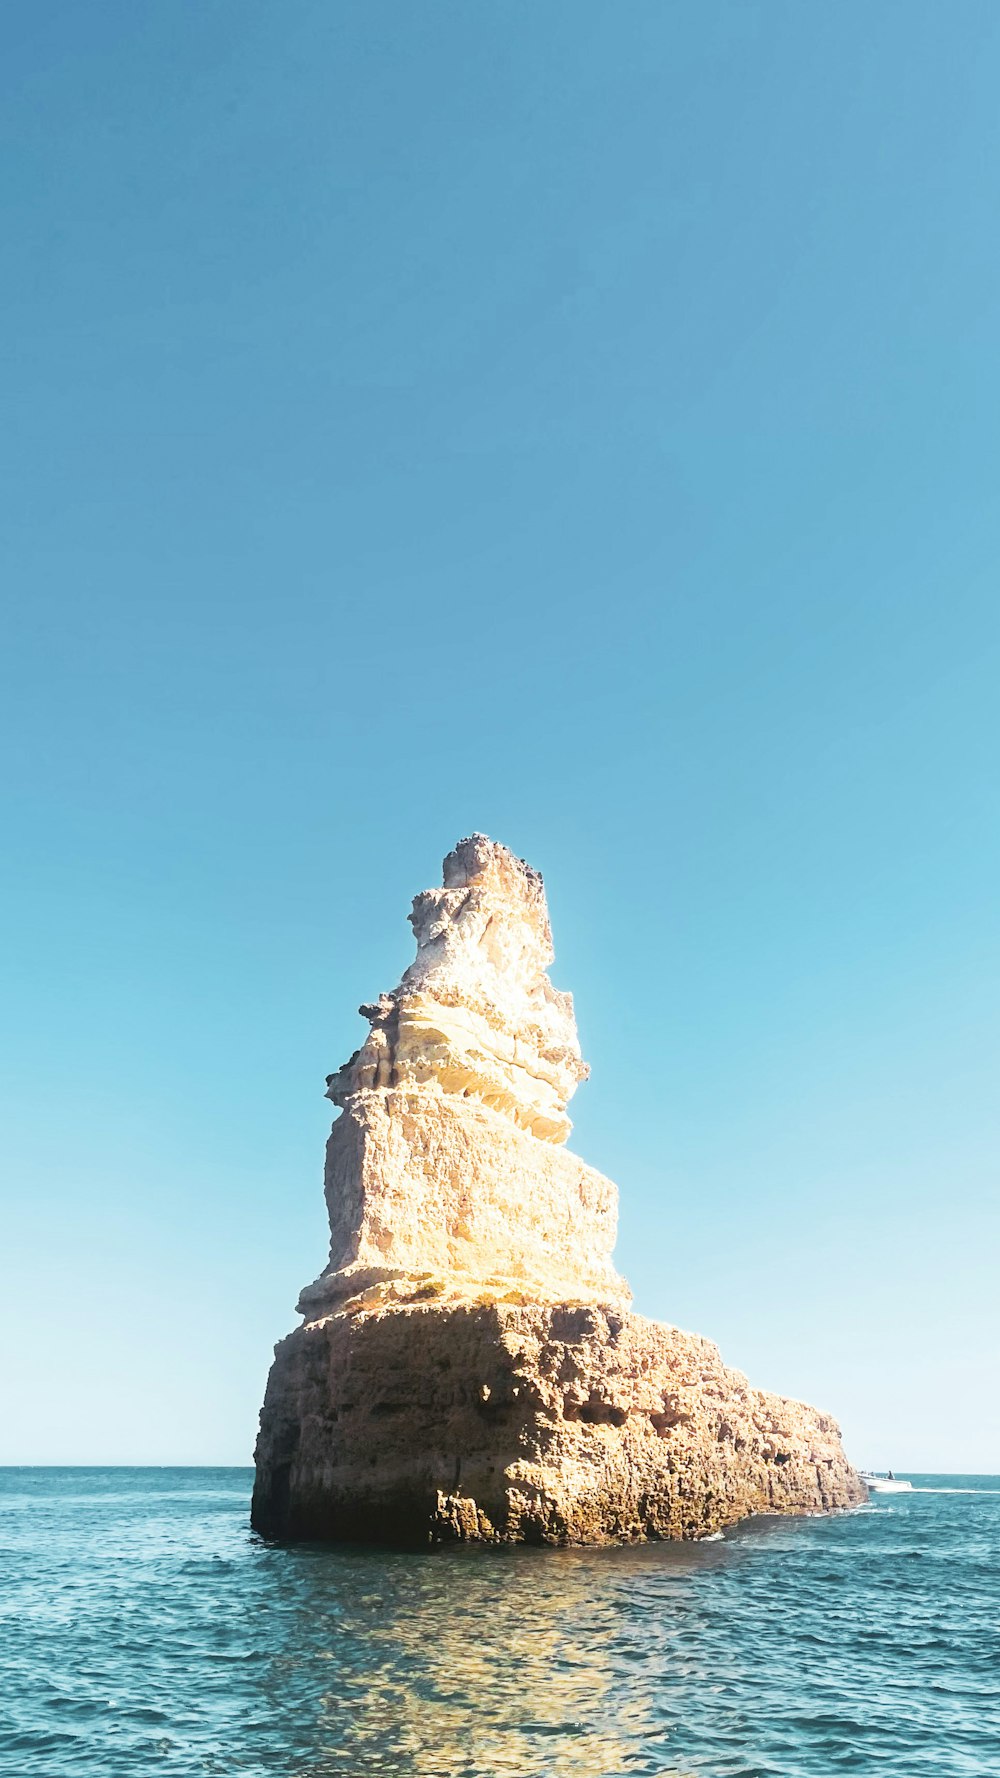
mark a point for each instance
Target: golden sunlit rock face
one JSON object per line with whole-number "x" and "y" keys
{"x": 468, "y": 1366}
{"x": 446, "y": 1172}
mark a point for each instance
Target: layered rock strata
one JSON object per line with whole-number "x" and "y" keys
{"x": 468, "y": 1366}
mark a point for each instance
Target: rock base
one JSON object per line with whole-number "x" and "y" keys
{"x": 500, "y": 1422}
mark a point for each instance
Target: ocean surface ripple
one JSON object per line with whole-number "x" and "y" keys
{"x": 146, "y": 1630}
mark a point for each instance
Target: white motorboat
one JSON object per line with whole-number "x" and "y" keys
{"x": 884, "y": 1484}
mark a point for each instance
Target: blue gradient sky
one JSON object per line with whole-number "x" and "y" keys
{"x": 574, "y": 422}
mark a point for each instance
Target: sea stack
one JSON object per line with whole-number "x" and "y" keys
{"x": 468, "y": 1365}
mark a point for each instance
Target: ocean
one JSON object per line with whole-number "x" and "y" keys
{"x": 146, "y": 1630}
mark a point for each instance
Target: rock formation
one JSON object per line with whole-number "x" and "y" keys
{"x": 468, "y": 1366}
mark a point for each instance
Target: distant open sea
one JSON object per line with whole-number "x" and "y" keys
{"x": 146, "y": 1630}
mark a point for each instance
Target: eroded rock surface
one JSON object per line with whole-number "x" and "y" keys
{"x": 468, "y": 1366}
{"x": 446, "y": 1173}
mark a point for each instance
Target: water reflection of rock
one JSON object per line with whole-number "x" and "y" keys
{"x": 479, "y": 1665}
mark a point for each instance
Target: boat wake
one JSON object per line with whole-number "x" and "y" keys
{"x": 955, "y": 1490}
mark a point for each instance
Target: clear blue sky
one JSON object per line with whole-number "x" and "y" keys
{"x": 574, "y": 422}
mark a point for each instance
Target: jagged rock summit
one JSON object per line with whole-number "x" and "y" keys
{"x": 445, "y": 1174}
{"x": 468, "y": 1365}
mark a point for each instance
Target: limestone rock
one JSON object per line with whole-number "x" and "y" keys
{"x": 468, "y": 1366}
{"x": 446, "y": 1174}
{"x": 476, "y": 1015}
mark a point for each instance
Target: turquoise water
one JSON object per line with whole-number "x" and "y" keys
{"x": 146, "y": 1631}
